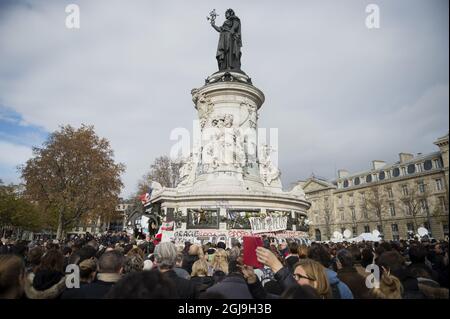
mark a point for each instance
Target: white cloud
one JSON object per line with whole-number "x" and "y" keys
{"x": 13, "y": 155}
{"x": 339, "y": 93}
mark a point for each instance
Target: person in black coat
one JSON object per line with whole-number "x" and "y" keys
{"x": 417, "y": 255}
{"x": 348, "y": 274}
{"x": 394, "y": 262}
{"x": 110, "y": 268}
{"x": 49, "y": 281}
{"x": 200, "y": 277}
{"x": 88, "y": 272}
{"x": 233, "y": 286}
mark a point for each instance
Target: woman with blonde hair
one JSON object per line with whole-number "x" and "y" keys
{"x": 199, "y": 275}
{"x": 220, "y": 260}
{"x": 307, "y": 272}
{"x": 311, "y": 273}
{"x": 390, "y": 287}
{"x": 199, "y": 268}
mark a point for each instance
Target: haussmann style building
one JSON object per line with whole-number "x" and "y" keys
{"x": 396, "y": 199}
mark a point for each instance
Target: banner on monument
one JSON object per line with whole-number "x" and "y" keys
{"x": 179, "y": 237}
{"x": 268, "y": 224}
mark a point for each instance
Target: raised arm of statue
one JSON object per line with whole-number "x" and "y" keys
{"x": 218, "y": 29}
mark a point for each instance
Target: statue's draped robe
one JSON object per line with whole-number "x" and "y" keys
{"x": 229, "y": 48}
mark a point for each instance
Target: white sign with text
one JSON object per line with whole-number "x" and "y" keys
{"x": 268, "y": 224}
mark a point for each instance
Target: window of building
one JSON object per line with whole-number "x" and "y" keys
{"x": 357, "y": 181}
{"x": 342, "y": 230}
{"x": 390, "y": 193}
{"x": 427, "y": 165}
{"x": 421, "y": 186}
{"x": 380, "y": 229}
{"x": 365, "y": 215}
{"x": 353, "y": 214}
{"x": 340, "y": 200}
{"x": 439, "y": 184}
{"x": 342, "y": 215}
{"x": 381, "y": 175}
{"x": 437, "y": 163}
{"x": 424, "y": 206}
{"x": 408, "y": 210}
{"x": 395, "y": 235}
{"x": 411, "y": 169}
{"x": 445, "y": 228}
{"x": 366, "y": 229}
{"x": 318, "y": 235}
{"x": 354, "y": 231}
{"x": 426, "y": 225}
{"x": 405, "y": 190}
{"x": 396, "y": 172}
{"x": 368, "y": 178}
{"x": 392, "y": 209}
{"x": 443, "y": 203}
{"x": 410, "y": 227}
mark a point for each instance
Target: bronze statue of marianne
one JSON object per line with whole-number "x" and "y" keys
{"x": 230, "y": 42}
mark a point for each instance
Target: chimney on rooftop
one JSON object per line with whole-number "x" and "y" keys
{"x": 342, "y": 173}
{"x": 405, "y": 157}
{"x": 377, "y": 164}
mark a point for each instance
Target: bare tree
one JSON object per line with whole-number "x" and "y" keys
{"x": 376, "y": 201}
{"x": 164, "y": 171}
{"x": 413, "y": 200}
{"x": 327, "y": 218}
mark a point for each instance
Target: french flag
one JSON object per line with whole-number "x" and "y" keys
{"x": 145, "y": 198}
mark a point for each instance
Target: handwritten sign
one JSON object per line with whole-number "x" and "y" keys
{"x": 168, "y": 226}
{"x": 268, "y": 224}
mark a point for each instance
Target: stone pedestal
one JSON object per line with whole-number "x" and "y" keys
{"x": 228, "y": 169}
{"x": 227, "y": 153}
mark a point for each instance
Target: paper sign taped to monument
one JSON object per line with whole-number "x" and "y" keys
{"x": 168, "y": 226}
{"x": 268, "y": 224}
{"x": 167, "y": 236}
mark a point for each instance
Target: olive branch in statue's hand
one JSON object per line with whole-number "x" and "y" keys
{"x": 212, "y": 16}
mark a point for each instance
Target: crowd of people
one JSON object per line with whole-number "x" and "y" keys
{"x": 120, "y": 266}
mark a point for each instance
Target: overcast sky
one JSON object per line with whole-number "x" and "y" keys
{"x": 340, "y": 94}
